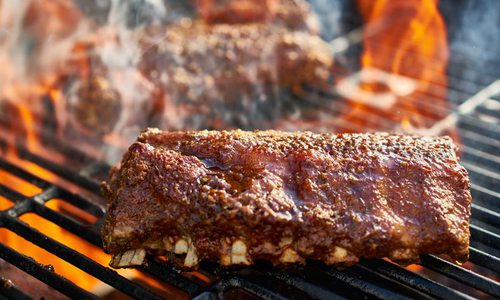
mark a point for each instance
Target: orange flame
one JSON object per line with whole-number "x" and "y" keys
{"x": 406, "y": 40}
{"x": 26, "y": 119}
{"x": 63, "y": 268}
{"x": 22, "y": 93}
{"x": 415, "y": 268}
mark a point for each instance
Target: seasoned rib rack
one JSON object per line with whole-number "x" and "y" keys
{"x": 236, "y": 196}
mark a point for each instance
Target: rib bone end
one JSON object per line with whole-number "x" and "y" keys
{"x": 128, "y": 258}
{"x": 291, "y": 256}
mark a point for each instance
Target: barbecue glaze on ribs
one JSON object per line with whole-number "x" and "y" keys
{"x": 236, "y": 196}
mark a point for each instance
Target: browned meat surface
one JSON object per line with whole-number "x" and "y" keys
{"x": 223, "y": 73}
{"x": 296, "y": 15}
{"x": 236, "y": 11}
{"x": 292, "y": 14}
{"x": 199, "y": 57}
{"x": 235, "y": 196}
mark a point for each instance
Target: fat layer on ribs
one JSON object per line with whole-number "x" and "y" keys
{"x": 236, "y": 196}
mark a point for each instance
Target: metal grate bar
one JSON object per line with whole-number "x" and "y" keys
{"x": 486, "y": 160}
{"x": 484, "y": 196}
{"x": 78, "y": 260}
{"x": 414, "y": 280}
{"x": 472, "y": 121}
{"x": 166, "y": 274}
{"x": 68, "y": 224}
{"x": 10, "y": 193}
{"x": 301, "y": 285}
{"x": 281, "y": 285}
{"x": 66, "y": 173}
{"x": 366, "y": 287}
{"x": 458, "y": 91}
{"x": 51, "y": 191}
{"x": 473, "y": 138}
{"x": 371, "y": 275}
{"x": 481, "y": 171}
{"x": 458, "y": 83}
{"x": 487, "y": 144}
{"x": 226, "y": 284}
{"x": 380, "y": 121}
{"x": 80, "y": 202}
{"x": 485, "y": 132}
{"x": 33, "y": 268}
{"x": 314, "y": 290}
{"x": 493, "y": 157}
{"x": 453, "y": 70}
{"x": 486, "y": 215}
{"x": 484, "y": 260}
{"x": 491, "y": 195}
{"x": 14, "y": 170}
{"x": 484, "y": 236}
{"x": 10, "y": 291}
{"x": 461, "y": 275}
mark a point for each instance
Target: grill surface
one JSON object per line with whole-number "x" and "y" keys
{"x": 373, "y": 278}
{"x": 475, "y": 105}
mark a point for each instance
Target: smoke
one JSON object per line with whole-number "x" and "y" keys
{"x": 474, "y": 39}
{"x": 112, "y": 67}
{"x": 337, "y": 17}
{"x": 473, "y": 27}
{"x": 50, "y": 49}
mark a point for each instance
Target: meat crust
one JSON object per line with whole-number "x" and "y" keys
{"x": 292, "y": 14}
{"x": 236, "y": 196}
{"x": 230, "y": 75}
{"x": 199, "y": 58}
{"x": 196, "y": 75}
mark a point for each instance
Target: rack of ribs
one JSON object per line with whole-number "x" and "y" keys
{"x": 229, "y": 74}
{"x": 236, "y": 197}
{"x": 198, "y": 74}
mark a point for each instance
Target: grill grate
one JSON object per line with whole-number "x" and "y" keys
{"x": 371, "y": 278}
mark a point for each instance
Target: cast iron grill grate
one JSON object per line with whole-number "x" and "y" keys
{"x": 370, "y": 279}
